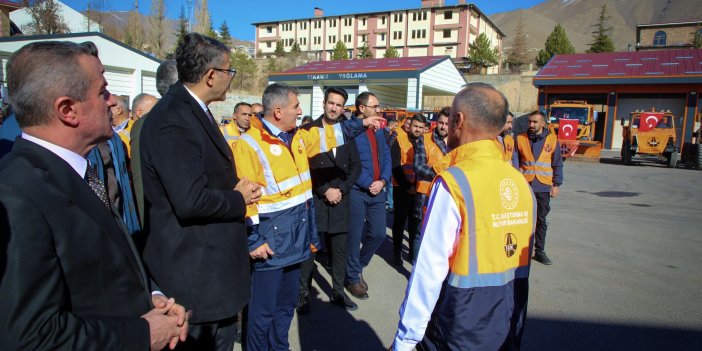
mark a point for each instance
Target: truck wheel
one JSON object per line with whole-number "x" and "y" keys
{"x": 626, "y": 154}
{"x": 672, "y": 159}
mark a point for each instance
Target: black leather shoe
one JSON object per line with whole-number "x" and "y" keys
{"x": 345, "y": 302}
{"x": 541, "y": 257}
{"x": 397, "y": 259}
{"x": 303, "y": 304}
{"x": 363, "y": 282}
{"x": 358, "y": 291}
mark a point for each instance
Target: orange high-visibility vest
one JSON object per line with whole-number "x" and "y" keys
{"x": 406, "y": 156}
{"x": 434, "y": 154}
{"x": 508, "y": 147}
{"x": 540, "y": 169}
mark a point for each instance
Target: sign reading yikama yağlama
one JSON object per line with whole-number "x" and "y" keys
{"x": 337, "y": 76}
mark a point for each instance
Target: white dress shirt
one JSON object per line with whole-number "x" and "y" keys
{"x": 77, "y": 162}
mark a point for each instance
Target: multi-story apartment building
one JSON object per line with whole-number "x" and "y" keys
{"x": 434, "y": 29}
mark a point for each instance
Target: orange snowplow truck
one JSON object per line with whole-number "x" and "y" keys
{"x": 651, "y": 135}
{"x": 573, "y": 121}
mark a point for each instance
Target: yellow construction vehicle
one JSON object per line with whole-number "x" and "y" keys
{"x": 581, "y": 144}
{"x": 651, "y": 135}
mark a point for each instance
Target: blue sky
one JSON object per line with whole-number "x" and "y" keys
{"x": 239, "y": 14}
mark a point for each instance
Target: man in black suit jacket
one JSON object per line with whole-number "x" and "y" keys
{"x": 71, "y": 278}
{"x": 196, "y": 241}
{"x": 333, "y": 173}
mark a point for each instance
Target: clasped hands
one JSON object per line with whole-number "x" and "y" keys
{"x": 250, "y": 190}
{"x": 168, "y": 322}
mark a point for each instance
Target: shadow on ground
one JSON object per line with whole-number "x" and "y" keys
{"x": 551, "y": 334}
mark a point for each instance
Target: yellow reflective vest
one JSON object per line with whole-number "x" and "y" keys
{"x": 231, "y": 133}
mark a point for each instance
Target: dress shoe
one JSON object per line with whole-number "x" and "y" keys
{"x": 363, "y": 282}
{"x": 303, "y": 304}
{"x": 358, "y": 291}
{"x": 345, "y": 302}
{"x": 541, "y": 257}
{"x": 397, "y": 259}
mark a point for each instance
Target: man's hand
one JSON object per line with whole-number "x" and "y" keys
{"x": 554, "y": 191}
{"x": 376, "y": 187}
{"x": 373, "y": 122}
{"x": 333, "y": 196}
{"x": 160, "y": 301}
{"x": 250, "y": 190}
{"x": 163, "y": 328}
{"x": 263, "y": 252}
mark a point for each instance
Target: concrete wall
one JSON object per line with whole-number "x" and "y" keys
{"x": 675, "y": 35}
{"x": 226, "y": 108}
{"x": 518, "y": 89}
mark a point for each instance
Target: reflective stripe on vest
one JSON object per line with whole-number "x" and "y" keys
{"x": 229, "y": 137}
{"x": 475, "y": 279}
{"x": 540, "y": 169}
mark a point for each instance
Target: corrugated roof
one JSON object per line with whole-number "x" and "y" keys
{"x": 366, "y": 65}
{"x": 683, "y": 65}
{"x": 11, "y": 3}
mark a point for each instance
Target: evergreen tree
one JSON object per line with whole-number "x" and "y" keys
{"x": 279, "y": 49}
{"x": 295, "y": 51}
{"x": 557, "y": 43}
{"x": 601, "y": 41}
{"x": 517, "y": 55}
{"x": 245, "y": 69}
{"x": 224, "y": 35}
{"x": 341, "y": 52}
{"x": 182, "y": 27}
{"x": 364, "y": 52}
{"x": 697, "y": 39}
{"x": 391, "y": 52}
{"x": 211, "y": 32}
{"x": 482, "y": 54}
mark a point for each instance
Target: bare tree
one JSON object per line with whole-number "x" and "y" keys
{"x": 157, "y": 20}
{"x": 134, "y": 35}
{"x": 95, "y": 15}
{"x": 46, "y": 17}
{"x": 203, "y": 22}
{"x": 517, "y": 56}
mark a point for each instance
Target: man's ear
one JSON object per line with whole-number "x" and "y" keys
{"x": 209, "y": 77}
{"x": 277, "y": 113}
{"x": 65, "y": 109}
{"x": 459, "y": 123}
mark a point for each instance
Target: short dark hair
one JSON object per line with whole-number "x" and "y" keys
{"x": 509, "y": 113}
{"x": 487, "y": 114}
{"x": 197, "y": 54}
{"x": 362, "y": 99}
{"x": 446, "y": 111}
{"x": 337, "y": 91}
{"x": 276, "y": 94}
{"x": 537, "y": 112}
{"x": 418, "y": 117}
{"x": 166, "y": 75}
{"x": 40, "y": 72}
{"x": 236, "y": 107}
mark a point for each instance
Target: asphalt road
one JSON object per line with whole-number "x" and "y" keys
{"x": 626, "y": 242}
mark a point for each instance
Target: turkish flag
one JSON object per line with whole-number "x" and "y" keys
{"x": 649, "y": 120}
{"x": 567, "y": 129}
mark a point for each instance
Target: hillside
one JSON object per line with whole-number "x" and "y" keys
{"x": 578, "y": 16}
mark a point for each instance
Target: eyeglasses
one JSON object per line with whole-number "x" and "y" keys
{"x": 375, "y": 107}
{"x": 231, "y": 72}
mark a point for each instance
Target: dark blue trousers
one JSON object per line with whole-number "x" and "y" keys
{"x": 372, "y": 209}
{"x": 273, "y": 298}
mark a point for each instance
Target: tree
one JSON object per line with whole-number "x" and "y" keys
{"x": 340, "y": 51}
{"x": 157, "y": 20}
{"x": 224, "y": 35}
{"x": 279, "y": 49}
{"x": 94, "y": 15}
{"x": 391, "y": 52}
{"x": 364, "y": 51}
{"x": 517, "y": 55}
{"x": 203, "y": 24}
{"x": 46, "y": 17}
{"x": 245, "y": 69}
{"x": 134, "y": 35}
{"x": 182, "y": 27}
{"x": 557, "y": 43}
{"x": 211, "y": 33}
{"x": 601, "y": 41}
{"x": 482, "y": 54}
{"x": 697, "y": 39}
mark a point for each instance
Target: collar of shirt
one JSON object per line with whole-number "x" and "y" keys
{"x": 121, "y": 127}
{"x": 77, "y": 162}
{"x": 199, "y": 102}
{"x": 275, "y": 131}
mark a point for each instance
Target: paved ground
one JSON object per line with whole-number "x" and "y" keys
{"x": 627, "y": 247}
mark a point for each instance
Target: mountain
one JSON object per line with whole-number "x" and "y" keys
{"x": 578, "y": 17}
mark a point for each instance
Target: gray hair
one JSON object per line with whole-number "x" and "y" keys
{"x": 484, "y": 111}
{"x": 122, "y": 102}
{"x": 166, "y": 75}
{"x": 138, "y": 100}
{"x": 276, "y": 95}
{"x": 41, "y": 72}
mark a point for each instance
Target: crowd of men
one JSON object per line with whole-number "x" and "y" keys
{"x": 153, "y": 225}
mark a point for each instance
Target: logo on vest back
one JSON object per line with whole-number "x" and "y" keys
{"x": 276, "y": 150}
{"x": 510, "y": 244}
{"x": 509, "y": 195}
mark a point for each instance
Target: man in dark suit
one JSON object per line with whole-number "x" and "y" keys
{"x": 196, "y": 241}
{"x": 71, "y": 278}
{"x": 333, "y": 173}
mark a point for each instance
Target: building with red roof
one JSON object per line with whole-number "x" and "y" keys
{"x": 621, "y": 82}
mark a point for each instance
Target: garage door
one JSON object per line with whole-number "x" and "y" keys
{"x": 627, "y": 103}
{"x": 148, "y": 84}
{"x": 119, "y": 82}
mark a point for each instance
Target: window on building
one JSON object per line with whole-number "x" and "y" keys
{"x": 447, "y": 33}
{"x": 659, "y": 38}
{"x": 382, "y": 20}
{"x": 414, "y": 34}
{"x": 424, "y": 33}
{"x": 397, "y": 17}
{"x": 396, "y": 35}
{"x": 448, "y": 15}
{"x": 269, "y": 29}
{"x": 364, "y": 38}
{"x": 332, "y": 22}
{"x": 348, "y": 22}
{"x": 382, "y": 37}
{"x": 363, "y": 21}
{"x": 303, "y": 25}
{"x": 424, "y": 16}
{"x": 269, "y": 45}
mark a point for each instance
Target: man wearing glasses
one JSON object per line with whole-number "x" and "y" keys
{"x": 241, "y": 123}
{"x": 195, "y": 203}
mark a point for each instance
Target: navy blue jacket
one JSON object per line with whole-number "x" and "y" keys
{"x": 364, "y": 152}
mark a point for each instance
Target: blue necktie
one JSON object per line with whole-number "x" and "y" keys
{"x": 286, "y": 137}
